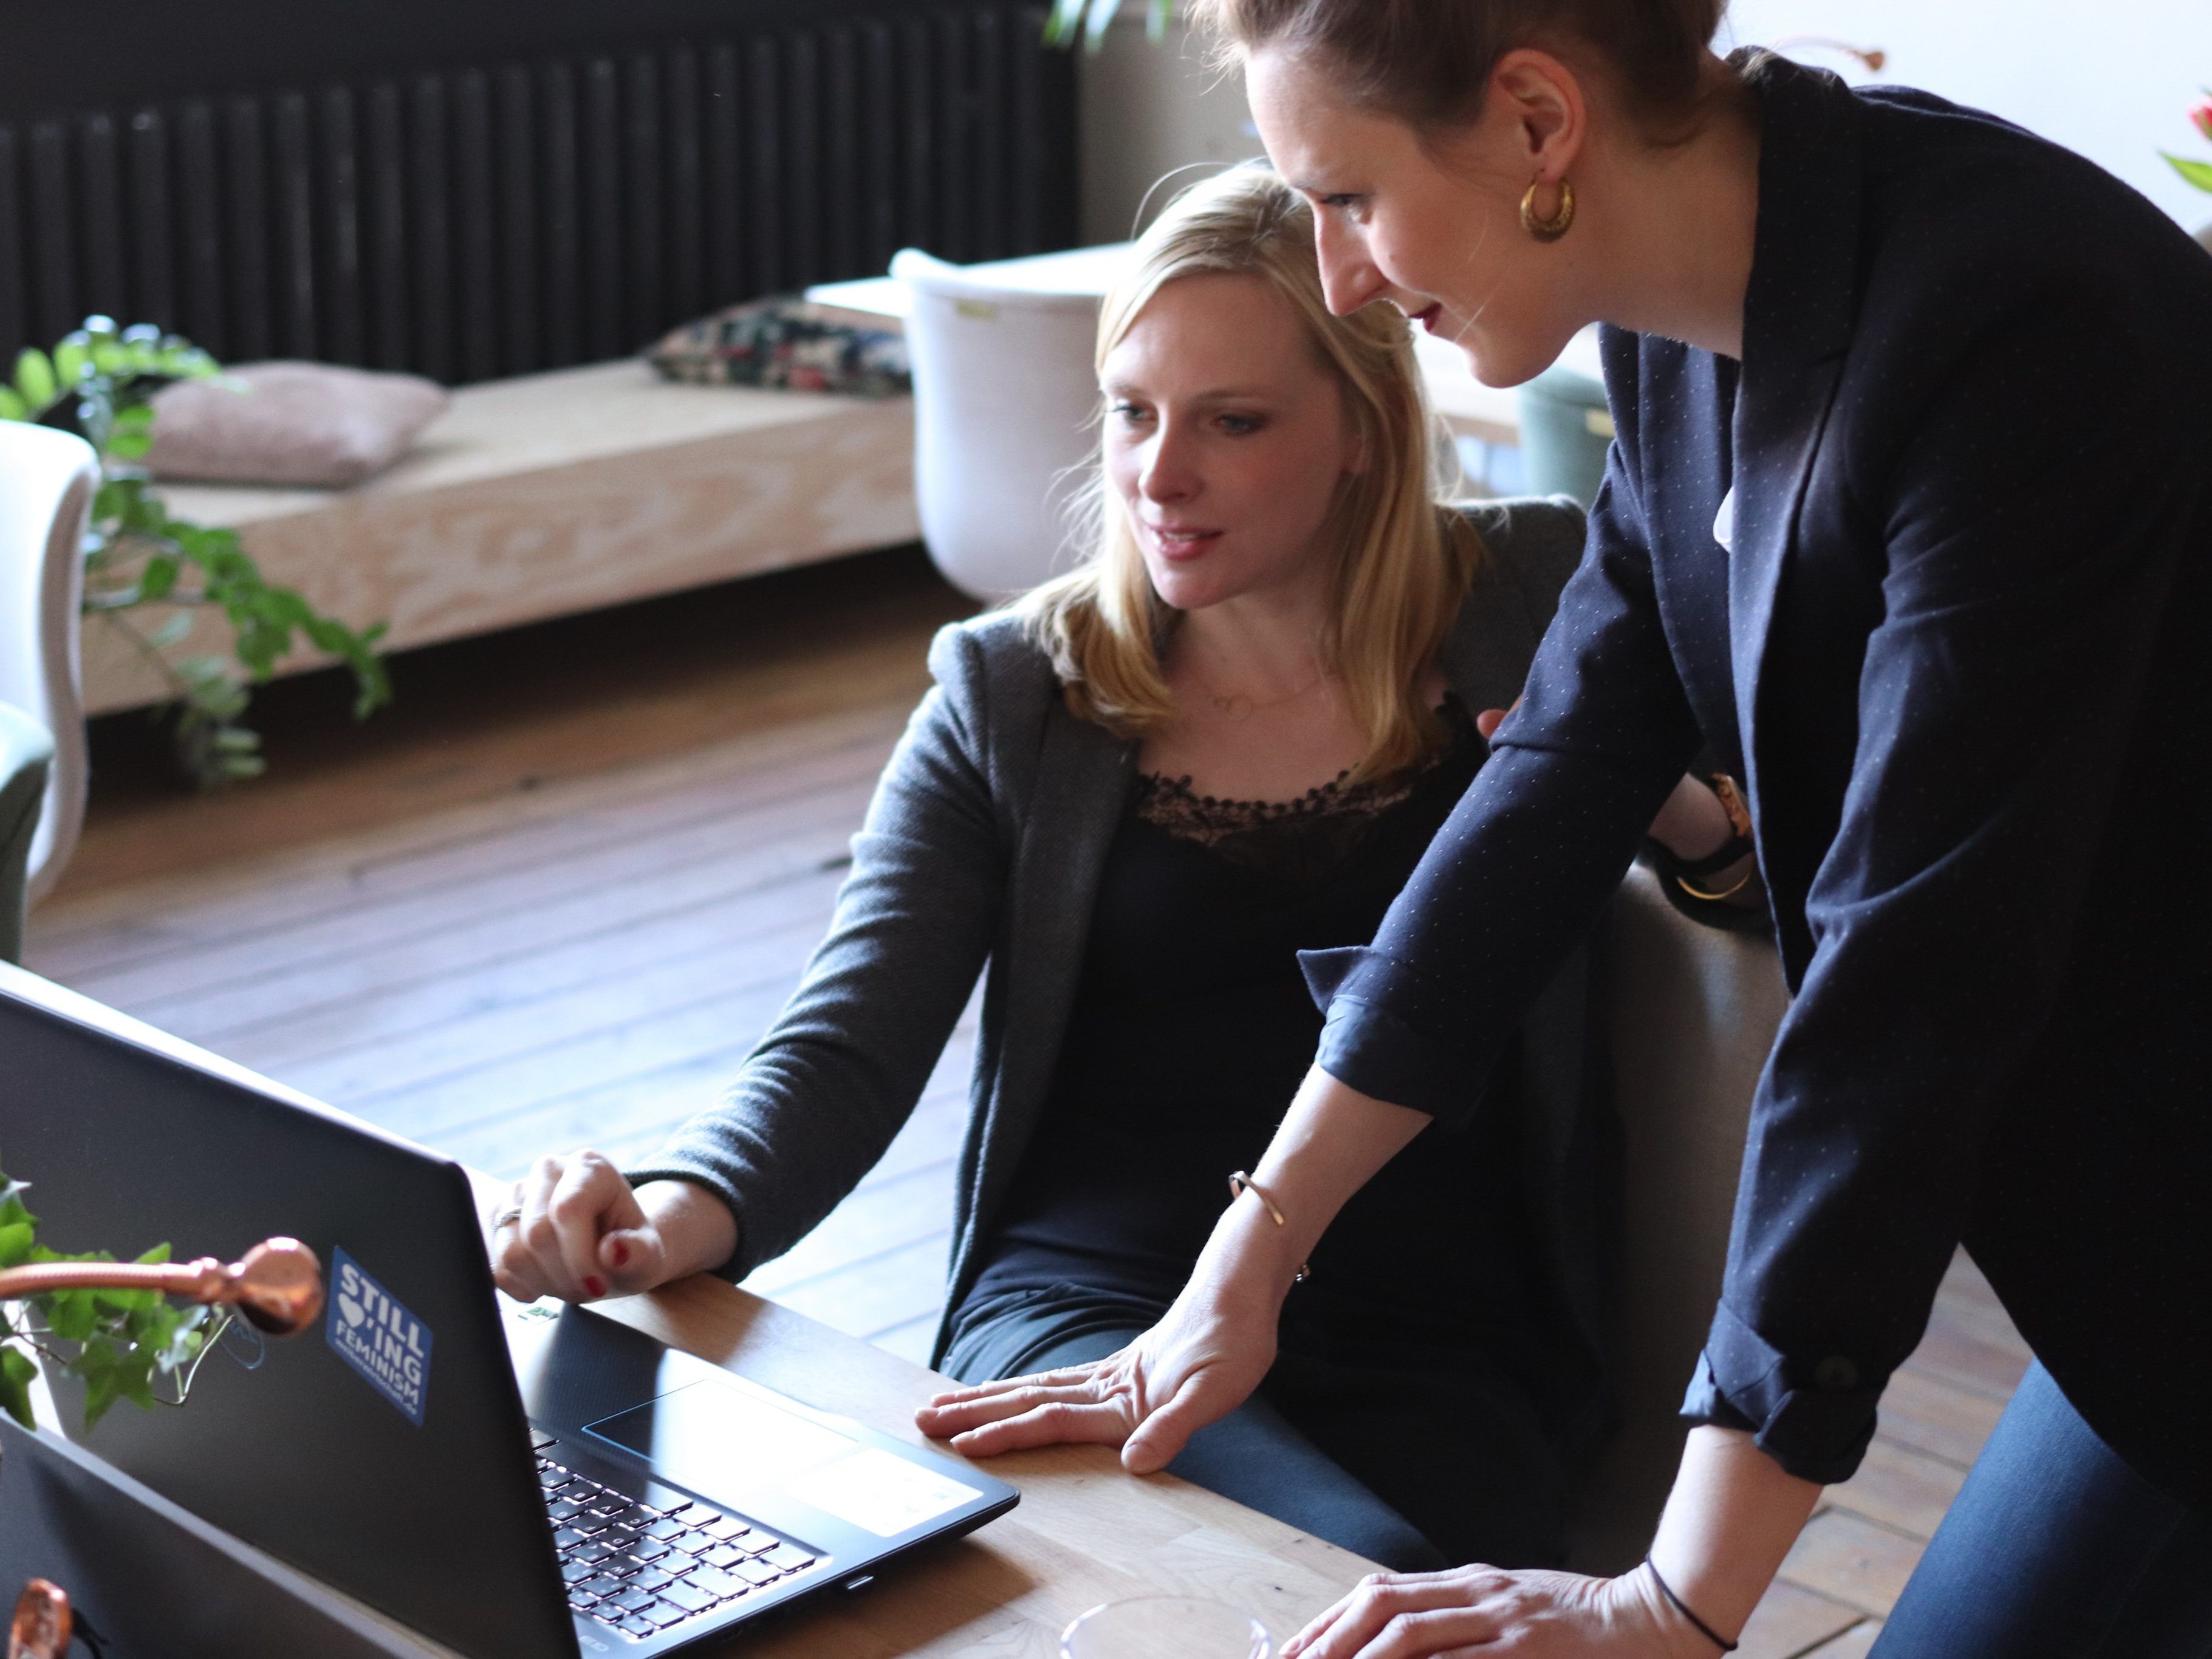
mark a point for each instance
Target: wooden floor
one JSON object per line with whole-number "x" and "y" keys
{"x": 552, "y": 898}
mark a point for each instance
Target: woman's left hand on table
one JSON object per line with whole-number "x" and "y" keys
{"x": 1476, "y": 1610}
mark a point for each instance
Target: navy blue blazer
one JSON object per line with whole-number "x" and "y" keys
{"x": 1958, "y": 644}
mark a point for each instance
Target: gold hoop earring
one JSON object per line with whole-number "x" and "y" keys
{"x": 1551, "y": 229}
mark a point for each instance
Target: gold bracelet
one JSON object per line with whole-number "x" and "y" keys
{"x": 1742, "y": 882}
{"x": 1239, "y": 1184}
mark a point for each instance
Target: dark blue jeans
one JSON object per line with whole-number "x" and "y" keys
{"x": 2056, "y": 1549}
{"x": 1418, "y": 1455}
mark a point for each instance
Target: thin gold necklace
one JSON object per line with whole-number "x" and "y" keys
{"x": 1238, "y": 706}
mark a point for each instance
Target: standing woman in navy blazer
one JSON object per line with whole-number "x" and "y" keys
{"x": 1909, "y": 520}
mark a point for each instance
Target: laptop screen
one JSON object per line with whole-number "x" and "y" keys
{"x": 385, "y": 1451}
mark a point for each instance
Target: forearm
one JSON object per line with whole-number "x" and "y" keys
{"x": 1330, "y": 1144}
{"x": 1731, "y": 1518}
{"x": 697, "y": 1229}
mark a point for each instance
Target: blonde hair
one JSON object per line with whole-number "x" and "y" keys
{"x": 1403, "y": 562}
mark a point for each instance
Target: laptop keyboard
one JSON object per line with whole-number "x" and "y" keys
{"x": 642, "y": 1565}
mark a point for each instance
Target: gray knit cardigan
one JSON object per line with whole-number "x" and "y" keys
{"x": 983, "y": 848}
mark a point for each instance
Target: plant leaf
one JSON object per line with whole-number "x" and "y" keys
{"x": 12, "y": 406}
{"x": 2198, "y": 173}
{"x": 17, "y": 1368}
{"x": 158, "y": 578}
{"x": 34, "y": 379}
{"x": 1060, "y": 29}
{"x": 71, "y": 357}
{"x": 96, "y": 1365}
{"x": 73, "y": 1315}
{"x": 1101, "y": 19}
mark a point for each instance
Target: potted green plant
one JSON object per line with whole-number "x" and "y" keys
{"x": 100, "y": 381}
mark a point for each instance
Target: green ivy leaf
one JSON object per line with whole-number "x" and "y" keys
{"x": 134, "y": 1377}
{"x": 123, "y": 1301}
{"x": 73, "y": 1315}
{"x": 11, "y": 1199}
{"x": 15, "y": 1240}
{"x": 34, "y": 379}
{"x": 17, "y": 1371}
{"x": 158, "y": 578}
{"x": 96, "y": 1367}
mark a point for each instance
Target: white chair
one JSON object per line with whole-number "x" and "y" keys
{"x": 46, "y": 484}
{"x": 1005, "y": 402}
{"x": 1691, "y": 1012}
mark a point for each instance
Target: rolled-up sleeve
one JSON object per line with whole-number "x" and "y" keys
{"x": 1999, "y": 695}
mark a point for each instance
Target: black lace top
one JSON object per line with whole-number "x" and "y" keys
{"x": 1191, "y": 1031}
{"x": 1299, "y": 839}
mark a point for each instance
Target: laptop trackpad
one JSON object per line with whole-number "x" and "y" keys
{"x": 712, "y": 1436}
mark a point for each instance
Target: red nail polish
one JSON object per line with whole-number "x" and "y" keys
{"x": 595, "y": 1286}
{"x": 621, "y": 1253}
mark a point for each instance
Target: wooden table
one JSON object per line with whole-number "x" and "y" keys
{"x": 1084, "y": 1532}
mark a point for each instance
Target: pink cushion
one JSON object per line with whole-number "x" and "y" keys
{"x": 294, "y": 424}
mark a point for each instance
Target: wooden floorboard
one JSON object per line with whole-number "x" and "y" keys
{"x": 556, "y": 907}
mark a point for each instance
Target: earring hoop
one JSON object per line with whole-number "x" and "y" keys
{"x": 1551, "y": 229}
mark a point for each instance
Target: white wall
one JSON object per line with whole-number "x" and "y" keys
{"x": 2113, "y": 80}
{"x": 1148, "y": 110}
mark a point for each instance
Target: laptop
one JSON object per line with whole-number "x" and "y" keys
{"x": 509, "y": 1481}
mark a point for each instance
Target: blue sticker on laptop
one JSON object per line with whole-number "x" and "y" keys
{"x": 376, "y": 1335}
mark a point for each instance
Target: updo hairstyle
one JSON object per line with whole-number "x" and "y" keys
{"x": 1427, "y": 62}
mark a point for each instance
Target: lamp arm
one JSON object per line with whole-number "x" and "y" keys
{"x": 277, "y": 1286}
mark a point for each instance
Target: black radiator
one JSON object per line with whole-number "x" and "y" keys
{"x": 471, "y": 221}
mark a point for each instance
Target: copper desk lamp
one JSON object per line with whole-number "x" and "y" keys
{"x": 276, "y": 1288}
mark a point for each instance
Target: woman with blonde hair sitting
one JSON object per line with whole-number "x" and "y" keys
{"x": 1136, "y": 795}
